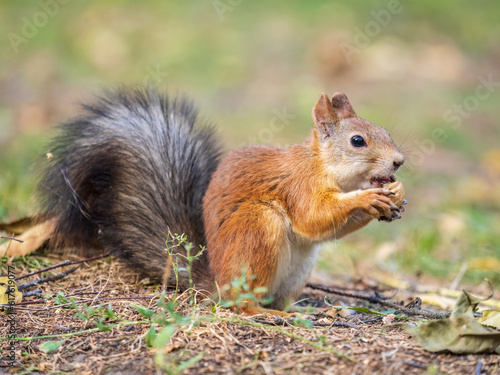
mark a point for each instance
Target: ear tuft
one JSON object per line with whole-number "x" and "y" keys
{"x": 342, "y": 106}
{"x": 324, "y": 115}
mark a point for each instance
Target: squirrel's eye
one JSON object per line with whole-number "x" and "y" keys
{"x": 358, "y": 141}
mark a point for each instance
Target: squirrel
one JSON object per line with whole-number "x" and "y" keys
{"x": 138, "y": 165}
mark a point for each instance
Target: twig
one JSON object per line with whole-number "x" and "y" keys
{"x": 12, "y": 238}
{"x": 36, "y": 292}
{"x": 376, "y": 299}
{"x": 65, "y": 263}
{"x": 276, "y": 322}
{"x": 37, "y": 301}
{"x": 18, "y": 307}
{"x": 98, "y": 299}
{"x": 345, "y": 324}
{"x": 34, "y": 302}
{"x": 415, "y": 364}
{"x": 83, "y": 293}
{"x": 73, "y": 333}
{"x": 283, "y": 322}
{"x": 9, "y": 307}
{"x": 105, "y": 255}
{"x": 47, "y": 279}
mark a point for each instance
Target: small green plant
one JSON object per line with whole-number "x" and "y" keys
{"x": 169, "y": 319}
{"x": 243, "y": 292}
{"x": 172, "y": 245}
{"x": 61, "y": 299}
{"x": 88, "y": 313}
{"x": 100, "y": 312}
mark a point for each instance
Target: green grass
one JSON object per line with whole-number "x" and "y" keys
{"x": 17, "y": 177}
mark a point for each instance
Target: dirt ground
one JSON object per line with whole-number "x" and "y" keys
{"x": 225, "y": 343}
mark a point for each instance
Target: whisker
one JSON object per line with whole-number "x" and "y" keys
{"x": 405, "y": 139}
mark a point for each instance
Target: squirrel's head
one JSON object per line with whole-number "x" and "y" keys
{"x": 355, "y": 152}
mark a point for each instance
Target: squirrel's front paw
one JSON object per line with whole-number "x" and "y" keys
{"x": 398, "y": 198}
{"x": 378, "y": 203}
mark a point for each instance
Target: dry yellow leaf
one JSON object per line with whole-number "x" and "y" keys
{"x": 460, "y": 333}
{"x": 8, "y": 289}
{"x": 490, "y": 318}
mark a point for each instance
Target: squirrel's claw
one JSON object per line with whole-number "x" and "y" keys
{"x": 396, "y": 215}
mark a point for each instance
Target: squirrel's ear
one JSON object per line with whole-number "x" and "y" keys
{"x": 324, "y": 116}
{"x": 342, "y": 106}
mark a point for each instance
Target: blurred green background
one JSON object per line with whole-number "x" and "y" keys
{"x": 428, "y": 71}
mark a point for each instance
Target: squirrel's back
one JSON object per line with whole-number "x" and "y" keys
{"x": 129, "y": 170}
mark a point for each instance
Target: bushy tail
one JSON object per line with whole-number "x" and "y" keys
{"x": 132, "y": 168}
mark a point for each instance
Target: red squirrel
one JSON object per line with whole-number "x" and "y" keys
{"x": 136, "y": 166}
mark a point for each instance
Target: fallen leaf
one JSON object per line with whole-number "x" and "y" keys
{"x": 33, "y": 236}
{"x": 22, "y": 225}
{"x": 8, "y": 289}
{"x": 331, "y": 312}
{"x": 460, "y": 333}
{"x": 490, "y": 318}
{"x": 439, "y": 301}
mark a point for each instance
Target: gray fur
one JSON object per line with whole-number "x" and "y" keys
{"x": 134, "y": 166}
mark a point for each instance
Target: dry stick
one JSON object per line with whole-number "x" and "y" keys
{"x": 12, "y": 238}
{"x": 65, "y": 263}
{"x": 100, "y": 299}
{"x": 380, "y": 301}
{"x": 36, "y": 292}
{"x": 36, "y": 301}
{"x": 372, "y": 299}
{"x": 117, "y": 325}
{"x": 284, "y": 322}
{"x": 17, "y": 305}
{"x": 71, "y": 304}
{"x": 20, "y": 308}
{"x": 82, "y": 293}
{"x": 47, "y": 279}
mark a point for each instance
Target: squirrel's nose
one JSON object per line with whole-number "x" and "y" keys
{"x": 398, "y": 162}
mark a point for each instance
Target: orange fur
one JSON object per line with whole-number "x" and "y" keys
{"x": 266, "y": 208}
